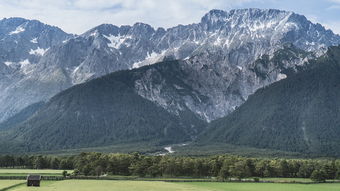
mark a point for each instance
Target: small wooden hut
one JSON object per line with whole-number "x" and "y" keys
{"x": 33, "y": 180}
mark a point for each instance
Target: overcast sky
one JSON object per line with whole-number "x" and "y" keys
{"x": 77, "y": 16}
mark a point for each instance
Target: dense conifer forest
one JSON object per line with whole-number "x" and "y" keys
{"x": 222, "y": 167}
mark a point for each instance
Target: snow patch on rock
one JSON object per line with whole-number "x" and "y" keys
{"x": 24, "y": 63}
{"x": 8, "y": 63}
{"x": 281, "y": 76}
{"x": 116, "y": 41}
{"x": 151, "y": 58}
{"x": 34, "y": 40}
{"x": 18, "y": 30}
{"x": 38, "y": 51}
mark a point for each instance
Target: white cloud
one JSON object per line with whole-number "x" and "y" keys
{"x": 334, "y": 7}
{"x": 77, "y": 16}
{"x": 335, "y": 4}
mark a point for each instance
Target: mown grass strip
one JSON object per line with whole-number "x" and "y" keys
{"x": 13, "y": 186}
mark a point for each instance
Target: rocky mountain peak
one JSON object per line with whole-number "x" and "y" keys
{"x": 103, "y": 29}
{"x": 17, "y": 26}
{"x": 243, "y": 16}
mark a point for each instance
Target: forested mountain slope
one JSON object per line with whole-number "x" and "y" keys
{"x": 300, "y": 113}
{"x": 102, "y": 112}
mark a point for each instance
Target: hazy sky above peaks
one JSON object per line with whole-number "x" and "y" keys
{"x": 77, "y": 16}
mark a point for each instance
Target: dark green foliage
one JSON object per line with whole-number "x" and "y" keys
{"x": 240, "y": 170}
{"x": 224, "y": 173}
{"x": 223, "y": 167}
{"x": 298, "y": 114}
{"x": 55, "y": 163}
{"x": 102, "y": 112}
{"x": 64, "y": 173}
{"x": 319, "y": 176}
{"x": 36, "y": 162}
{"x": 40, "y": 163}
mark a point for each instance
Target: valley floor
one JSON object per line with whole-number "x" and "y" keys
{"x": 110, "y": 185}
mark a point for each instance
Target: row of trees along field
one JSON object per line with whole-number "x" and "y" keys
{"x": 223, "y": 167}
{"x": 36, "y": 162}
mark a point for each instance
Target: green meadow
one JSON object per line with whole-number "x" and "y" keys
{"x": 121, "y": 185}
{"x": 153, "y": 184}
{"x": 264, "y": 186}
{"x": 8, "y": 183}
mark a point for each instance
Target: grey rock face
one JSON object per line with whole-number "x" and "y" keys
{"x": 23, "y": 43}
{"x": 212, "y": 87}
{"x": 220, "y": 52}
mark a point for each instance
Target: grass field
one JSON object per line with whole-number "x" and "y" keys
{"x": 25, "y": 172}
{"x": 153, "y": 184}
{"x": 7, "y": 183}
{"x": 264, "y": 187}
{"x": 111, "y": 185}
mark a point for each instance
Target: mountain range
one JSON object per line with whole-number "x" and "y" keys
{"x": 225, "y": 41}
{"x": 205, "y": 71}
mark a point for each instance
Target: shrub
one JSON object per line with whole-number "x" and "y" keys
{"x": 318, "y": 176}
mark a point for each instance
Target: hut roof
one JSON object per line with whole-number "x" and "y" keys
{"x": 33, "y": 177}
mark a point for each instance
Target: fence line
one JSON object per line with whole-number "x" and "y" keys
{"x": 24, "y": 178}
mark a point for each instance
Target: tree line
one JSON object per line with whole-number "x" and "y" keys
{"x": 222, "y": 167}
{"x": 36, "y": 162}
